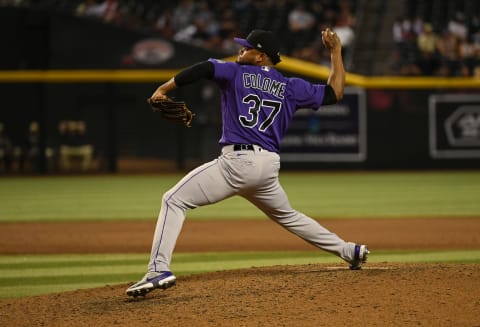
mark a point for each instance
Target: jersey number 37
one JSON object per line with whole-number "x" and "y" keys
{"x": 257, "y": 104}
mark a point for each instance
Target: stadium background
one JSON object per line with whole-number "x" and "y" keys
{"x": 65, "y": 64}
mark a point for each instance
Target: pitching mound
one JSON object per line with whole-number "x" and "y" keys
{"x": 307, "y": 295}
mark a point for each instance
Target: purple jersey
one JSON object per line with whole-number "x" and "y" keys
{"x": 258, "y": 103}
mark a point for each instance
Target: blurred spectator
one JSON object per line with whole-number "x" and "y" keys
{"x": 315, "y": 51}
{"x": 6, "y": 150}
{"x": 183, "y": 14}
{"x": 299, "y": 19}
{"x": 469, "y": 54}
{"x": 404, "y": 37}
{"x": 417, "y": 25}
{"x": 164, "y": 24}
{"x": 31, "y": 151}
{"x": 408, "y": 33}
{"x": 344, "y": 31}
{"x": 74, "y": 145}
{"x": 300, "y": 25}
{"x": 336, "y": 15}
{"x": 457, "y": 26}
{"x": 31, "y": 154}
{"x": 448, "y": 47}
{"x": 203, "y": 31}
{"x": 427, "y": 60}
{"x": 228, "y": 29}
{"x": 397, "y": 32}
{"x": 427, "y": 39}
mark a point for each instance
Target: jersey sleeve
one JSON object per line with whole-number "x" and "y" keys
{"x": 224, "y": 71}
{"x": 306, "y": 94}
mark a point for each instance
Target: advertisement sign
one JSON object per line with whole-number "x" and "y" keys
{"x": 331, "y": 133}
{"x": 454, "y": 126}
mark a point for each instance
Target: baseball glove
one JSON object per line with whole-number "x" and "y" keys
{"x": 176, "y": 111}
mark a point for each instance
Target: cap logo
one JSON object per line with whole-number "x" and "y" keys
{"x": 259, "y": 45}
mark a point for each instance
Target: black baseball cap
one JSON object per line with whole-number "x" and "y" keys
{"x": 264, "y": 41}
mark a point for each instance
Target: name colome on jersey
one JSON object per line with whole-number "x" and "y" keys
{"x": 264, "y": 84}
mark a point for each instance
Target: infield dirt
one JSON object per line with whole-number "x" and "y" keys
{"x": 381, "y": 294}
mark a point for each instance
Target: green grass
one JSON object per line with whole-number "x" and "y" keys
{"x": 41, "y": 274}
{"x": 332, "y": 195}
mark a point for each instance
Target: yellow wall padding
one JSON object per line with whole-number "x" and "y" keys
{"x": 296, "y": 66}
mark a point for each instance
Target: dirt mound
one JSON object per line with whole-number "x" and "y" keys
{"x": 307, "y": 295}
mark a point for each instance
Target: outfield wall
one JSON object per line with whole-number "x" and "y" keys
{"x": 400, "y": 128}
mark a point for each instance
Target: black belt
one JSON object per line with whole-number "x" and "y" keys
{"x": 240, "y": 147}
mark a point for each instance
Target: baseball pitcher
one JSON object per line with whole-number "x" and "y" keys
{"x": 258, "y": 104}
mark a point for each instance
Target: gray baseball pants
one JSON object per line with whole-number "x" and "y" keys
{"x": 250, "y": 174}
